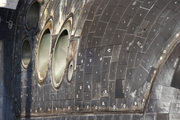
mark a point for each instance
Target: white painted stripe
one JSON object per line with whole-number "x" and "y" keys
{"x": 11, "y": 4}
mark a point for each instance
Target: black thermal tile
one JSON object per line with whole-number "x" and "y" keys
{"x": 98, "y": 56}
{"x": 87, "y": 82}
{"x": 173, "y": 5}
{"x": 112, "y": 72}
{"x": 78, "y": 106}
{"x": 102, "y": 6}
{"x": 138, "y": 117}
{"x": 177, "y": 18}
{"x": 133, "y": 29}
{"x": 89, "y": 40}
{"x": 79, "y": 92}
{"x": 87, "y": 107}
{"x": 178, "y": 9}
{"x": 70, "y": 105}
{"x": 67, "y": 118}
{"x": 119, "y": 89}
{"x": 67, "y": 93}
{"x": 170, "y": 15}
{"x": 61, "y": 93}
{"x": 117, "y": 14}
{"x": 124, "y": 22}
{"x": 149, "y": 116}
{"x": 148, "y": 59}
{"x": 79, "y": 77}
{"x": 86, "y": 28}
{"x": 89, "y": 64}
{"x": 162, "y": 116}
{"x": 92, "y": 12}
{"x": 104, "y": 92}
{"x": 132, "y": 58}
{"x": 106, "y": 64}
{"x": 87, "y": 96}
{"x": 130, "y": 73}
{"x": 115, "y": 53}
{"x": 40, "y": 92}
{"x": 46, "y": 92}
{"x": 139, "y": 16}
{"x": 96, "y": 90}
{"x": 97, "y": 2}
{"x": 118, "y": 37}
{"x": 142, "y": 28}
{"x": 117, "y": 117}
{"x": 146, "y": 29}
{"x": 127, "y": 43}
{"x": 148, "y": 3}
{"x": 90, "y": 52}
{"x": 112, "y": 86}
{"x": 62, "y": 105}
{"x": 157, "y": 44}
{"x": 104, "y": 79}
{"x": 94, "y": 105}
{"x": 80, "y": 57}
{"x": 104, "y": 104}
{"x": 108, "y": 117}
{"x": 71, "y": 93}
{"x": 111, "y": 28}
{"x": 94, "y": 23}
{"x": 138, "y": 44}
{"x": 96, "y": 42}
{"x": 107, "y": 14}
{"x": 169, "y": 29}
{"x": 121, "y": 72}
{"x": 139, "y": 57}
{"x": 132, "y": 8}
{"x": 123, "y": 57}
{"x": 108, "y": 50}
{"x": 140, "y": 77}
{"x": 91, "y": 117}
{"x": 113, "y": 2}
{"x": 124, "y": 3}
{"x": 106, "y": 40}
{"x": 112, "y": 106}
{"x": 100, "y": 117}
{"x": 155, "y": 30}
{"x": 147, "y": 44}
{"x": 100, "y": 29}
{"x": 163, "y": 15}
{"x": 161, "y": 3}
{"x": 153, "y": 14}
{"x": 97, "y": 73}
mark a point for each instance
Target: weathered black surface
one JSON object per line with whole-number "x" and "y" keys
{"x": 127, "y": 65}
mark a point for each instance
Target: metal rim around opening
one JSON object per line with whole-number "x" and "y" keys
{"x": 59, "y": 58}
{"x": 70, "y": 70}
{"x": 43, "y": 55}
{"x": 32, "y": 15}
{"x": 26, "y": 53}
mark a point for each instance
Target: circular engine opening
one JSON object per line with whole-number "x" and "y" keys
{"x": 43, "y": 55}
{"x": 26, "y": 53}
{"x": 32, "y": 15}
{"x": 59, "y": 58}
{"x": 70, "y": 71}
